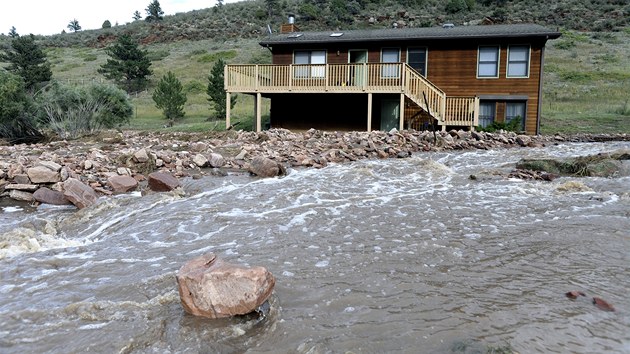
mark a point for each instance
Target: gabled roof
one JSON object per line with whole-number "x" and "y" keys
{"x": 406, "y": 34}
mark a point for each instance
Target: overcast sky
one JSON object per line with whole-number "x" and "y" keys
{"x": 52, "y": 16}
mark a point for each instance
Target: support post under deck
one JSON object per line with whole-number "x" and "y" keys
{"x": 369, "y": 113}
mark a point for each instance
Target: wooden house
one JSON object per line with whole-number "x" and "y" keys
{"x": 379, "y": 79}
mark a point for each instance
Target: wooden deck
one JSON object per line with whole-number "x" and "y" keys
{"x": 369, "y": 78}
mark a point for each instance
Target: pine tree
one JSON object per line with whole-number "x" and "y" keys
{"x": 169, "y": 96}
{"x": 106, "y": 24}
{"x": 216, "y": 91}
{"x": 128, "y": 66}
{"x": 74, "y": 25}
{"x": 136, "y": 15}
{"x": 154, "y": 12}
{"x": 13, "y": 32}
{"x": 28, "y": 61}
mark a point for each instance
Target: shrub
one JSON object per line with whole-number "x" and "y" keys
{"x": 72, "y": 112}
{"x": 16, "y": 122}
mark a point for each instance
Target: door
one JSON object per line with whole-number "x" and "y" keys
{"x": 487, "y": 112}
{"x": 390, "y": 111}
{"x": 357, "y": 72}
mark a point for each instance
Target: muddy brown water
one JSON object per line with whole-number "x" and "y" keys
{"x": 406, "y": 255}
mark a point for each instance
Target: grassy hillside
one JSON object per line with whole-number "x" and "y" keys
{"x": 585, "y": 86}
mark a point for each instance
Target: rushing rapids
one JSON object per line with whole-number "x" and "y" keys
{"x": 397, "y": 255}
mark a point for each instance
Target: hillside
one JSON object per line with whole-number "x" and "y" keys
{"x": 587, "y": 73}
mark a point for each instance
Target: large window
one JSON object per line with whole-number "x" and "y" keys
{"x": 316, "y": 59}
{"x": 487, "y": 113}
{"x": 417, "y": 59}
{"x": 390, "y": 55}
{"x": 488, "y": 62}
{"x": 518, "y": 61}
{"x": 515, "y": 110}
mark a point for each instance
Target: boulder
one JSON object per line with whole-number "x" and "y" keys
{"x": 122, "y": 184}
{"x": 53, "y": 166}
{"x": 78, "y": 193}
{"x": 523, "y": 140}
{"x": 21, "y": 195}
{"x": 162, "y": 182}
{"x": 264, "y": 167}
{"x": 48, "y": 196}
{"x": 42, "y": 174}
{"x": 141, "y": 156}
{"x": 200, "y": 160}
{"x": 212, "y": 288}
{"x": 216, "y": 160}
{"x": 22, "y": 187}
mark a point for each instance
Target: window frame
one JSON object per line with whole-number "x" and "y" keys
{"x": 507, "y": 119}
{"x": 424, "y": 73}
{"x": 527, "y": 62}
{"x": 310, "y": 72}
{"x": 386, "y": 69}
{"x": 498, "y": 61}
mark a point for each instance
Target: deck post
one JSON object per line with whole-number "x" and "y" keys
{"x": 369, "y": 113}
{"x": 258, "y": 112}
{"x": 227, "y": 110}
{"x": 402, "y": 111}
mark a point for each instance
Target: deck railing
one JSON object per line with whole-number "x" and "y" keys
{"x": 353, "y": 78}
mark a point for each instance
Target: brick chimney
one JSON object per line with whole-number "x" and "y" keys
{"x": 289, "y": 27}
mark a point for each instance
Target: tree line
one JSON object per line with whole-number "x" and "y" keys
{"x": 31, "y": 100}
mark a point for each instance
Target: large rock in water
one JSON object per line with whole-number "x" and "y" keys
{"x": 122, "y": 184}
{"x": 265, "y": 167}
{"x": 210, "y": 287}
{"x": 48, "y": 196}
{"x": 162, "y": 182}
{"x": 78, "y": 193}
{"x": 600, "y": 165}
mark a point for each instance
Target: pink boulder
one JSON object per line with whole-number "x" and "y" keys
{"x": 212, "y": 288}
{"x": 122, "y": 184}
{"x": 49, "y": 196}
{"x": 162, "y": 182}
{"x": 79, "y": 193}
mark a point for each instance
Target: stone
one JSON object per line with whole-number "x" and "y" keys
{"x": 141, "y": 156}
{"x": 48, "y": 196}
{"x": 53, "y": 166}
{"x": 21, "y": 195}
{"x": 122, "y": 184}
{"x": 198, "y": 147}
{"x": 81, "y": 195}
{"x": 216, "y": 160}
{"x": 213, "y": 288}
{"x": 41, "y": 174}
{"x": 88, "y": 164}
{"x": 264, "y": 167}
{"x": 123, "y": 171}
{"x": 22, "y": 187}
{"x": 21, "y": 179}
{"x": 523, "y": 140}
{"x": 200, "y": 160}
{"x": 162, "y": 182}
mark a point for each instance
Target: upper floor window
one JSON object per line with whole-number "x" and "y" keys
{"x": 518, "y": 61}
{"x": 488, "y": 62}
{"x": 312, "y": 57}
{"x": 417, "y": 59}
{"x": 390, "y": 55}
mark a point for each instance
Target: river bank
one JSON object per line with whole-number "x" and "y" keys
{"x": 97, "y": 160}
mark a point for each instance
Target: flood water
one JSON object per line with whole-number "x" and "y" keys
{"x": 398, "y": 255}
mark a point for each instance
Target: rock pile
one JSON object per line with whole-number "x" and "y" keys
{"x": 111, "y": 162}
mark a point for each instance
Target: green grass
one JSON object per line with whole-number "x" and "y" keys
{"x": 586, "y": 86}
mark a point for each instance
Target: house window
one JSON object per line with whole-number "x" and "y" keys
{"x": 518, "y": 61}
{"x": 515, "y": 110}
{"x": 314, "y": 58}
{"x": 487, "y": 113}
{"x": 417, "y": 59}
{"x": 390, "y": 55}
{"x": 488, "y": 62}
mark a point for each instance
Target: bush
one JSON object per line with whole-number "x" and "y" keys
{"x": 16, "y": 122}
{"x": 72, "y": 112}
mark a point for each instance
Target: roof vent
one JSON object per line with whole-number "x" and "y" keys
{"x": 336, "y": 34}
{"x": 448, "y": 25}
{"x": 291, "y": 19}
{"x": 295, "y": 35}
